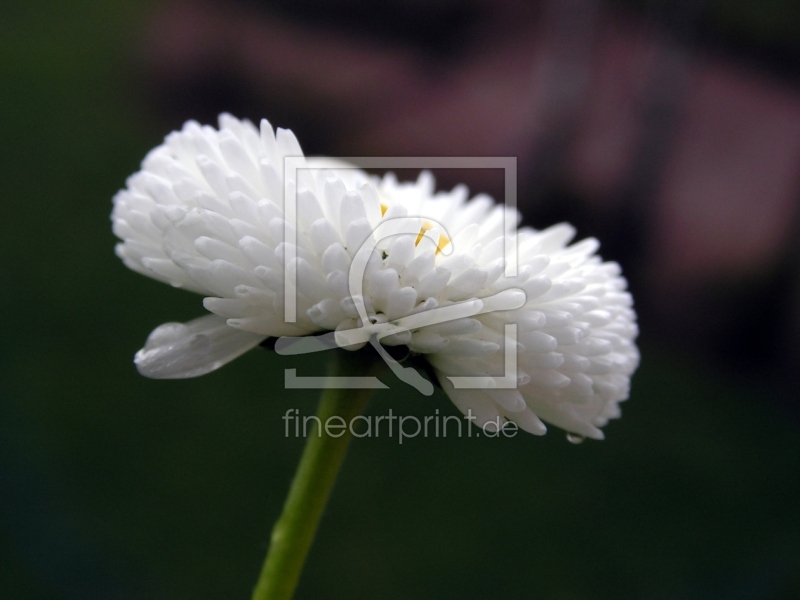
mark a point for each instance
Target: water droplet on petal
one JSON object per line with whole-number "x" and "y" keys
{"x": 574, "y": 438}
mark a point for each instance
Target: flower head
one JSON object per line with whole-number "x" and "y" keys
{"x": 207, "y": 213}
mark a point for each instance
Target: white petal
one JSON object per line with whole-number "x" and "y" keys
{"x": 475, "y": 404}
{"x": 183, "y": 350}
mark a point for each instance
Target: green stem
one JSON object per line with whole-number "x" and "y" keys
{"x": 322, "y": 457}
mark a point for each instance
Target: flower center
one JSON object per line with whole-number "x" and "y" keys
{"x": 443, "y": 239}
{"x": 426, "y": 226}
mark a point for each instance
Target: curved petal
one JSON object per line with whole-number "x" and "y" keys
{"x": 475, "y": 404}
{"x": 183, "y": 350}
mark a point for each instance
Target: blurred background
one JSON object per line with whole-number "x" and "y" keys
{"x": 668, "y": 130}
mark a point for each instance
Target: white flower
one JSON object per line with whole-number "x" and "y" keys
{"x": 206, "y": 213}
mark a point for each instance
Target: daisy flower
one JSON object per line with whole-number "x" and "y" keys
{"x": 206, "y": 212}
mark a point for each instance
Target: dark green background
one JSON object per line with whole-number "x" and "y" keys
{"x": 114, "y": 486}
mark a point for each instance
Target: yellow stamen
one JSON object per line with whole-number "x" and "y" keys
{"x": 426, "y": 226}
{"x": 384, "y": 208}
{"x": 443, "y": 239}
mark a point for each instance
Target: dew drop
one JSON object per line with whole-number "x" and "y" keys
{"x": 574, "y": 438}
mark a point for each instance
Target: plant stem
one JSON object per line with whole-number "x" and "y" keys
{"x": 322, "y": 457}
